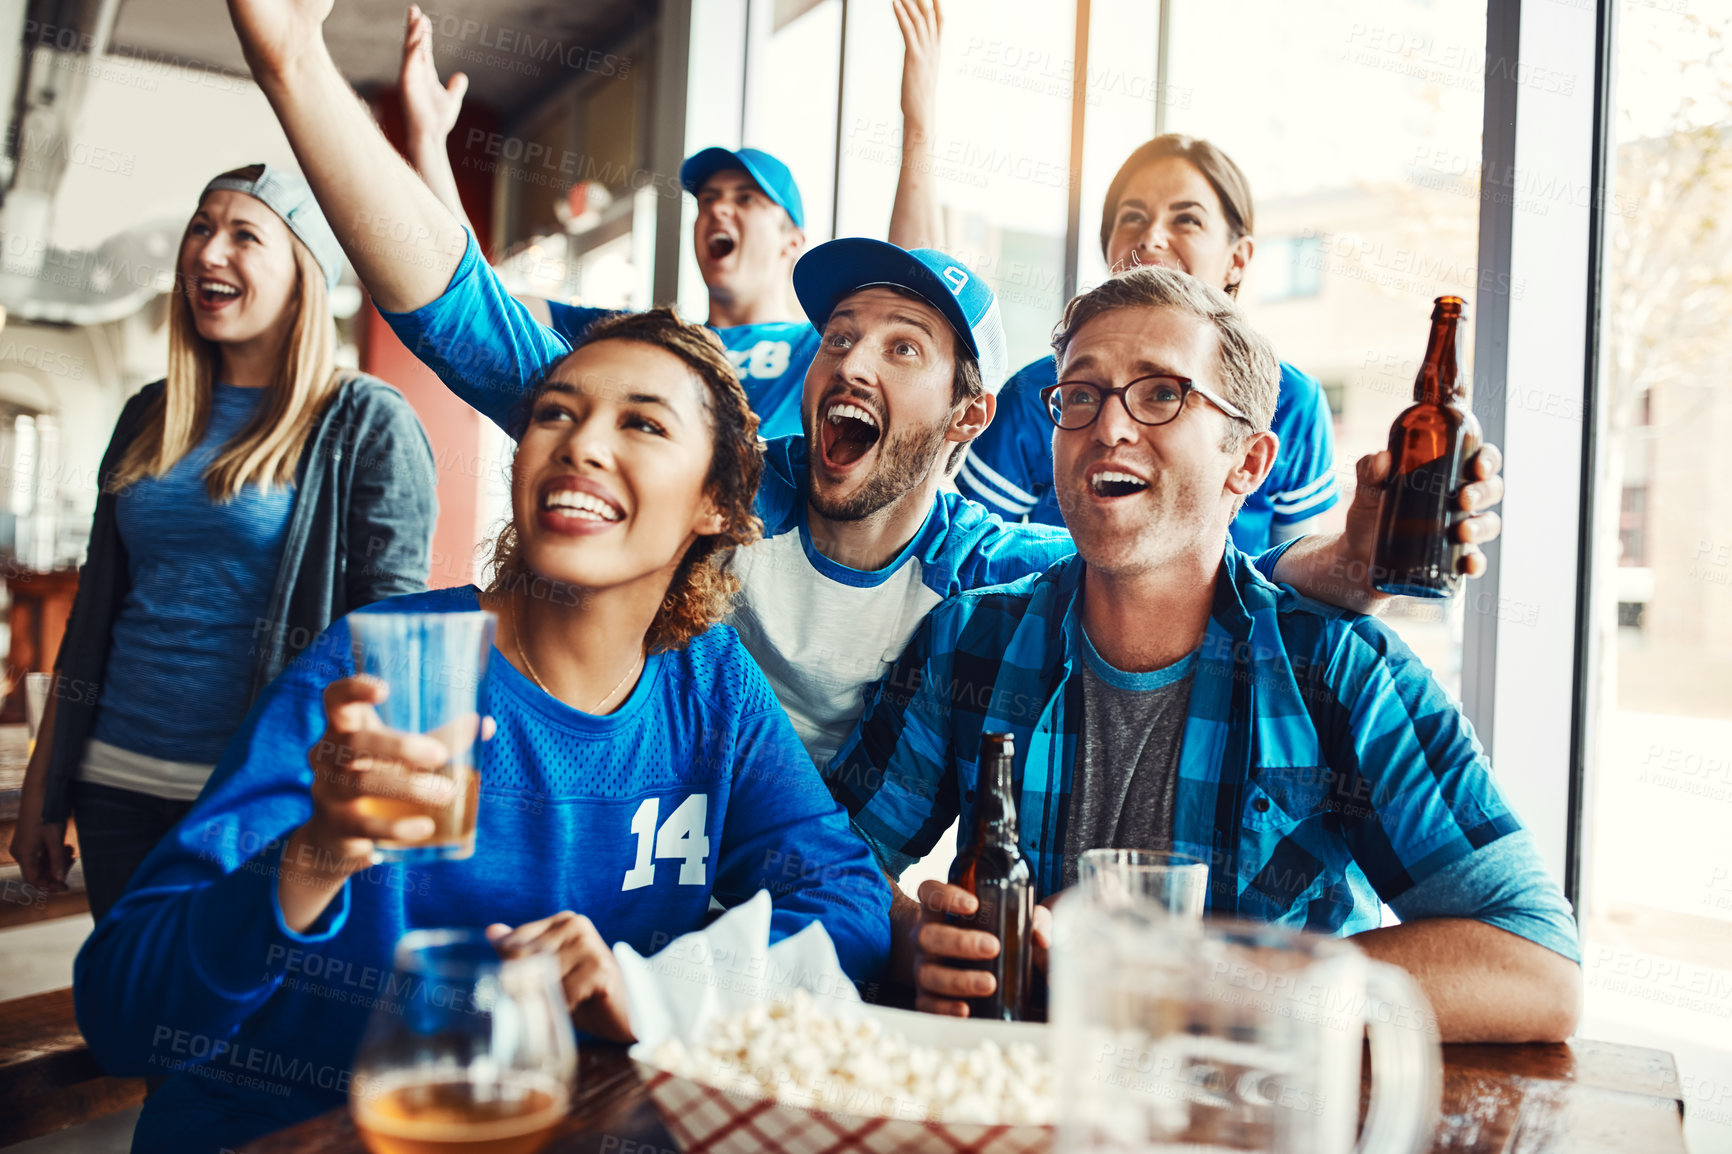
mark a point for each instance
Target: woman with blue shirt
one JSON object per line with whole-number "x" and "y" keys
{"x": 638, "y": 769}
{"x": 1181, "y": 203}
{"x": 248, "y": 499}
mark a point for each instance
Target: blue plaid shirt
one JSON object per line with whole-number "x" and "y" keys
{"x": 1321, "y": 769}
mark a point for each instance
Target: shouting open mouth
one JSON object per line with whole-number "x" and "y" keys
{"x": 847, "y": 433}
{"x": 721, "y": 245}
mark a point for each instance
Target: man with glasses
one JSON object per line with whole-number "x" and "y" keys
{"x": 1164, "y": 695}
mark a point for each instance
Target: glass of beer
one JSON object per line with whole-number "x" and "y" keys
{"x": 432, "y": 665}
{"x": 468, "y": 1052}
{"x": 1174, "y": 882}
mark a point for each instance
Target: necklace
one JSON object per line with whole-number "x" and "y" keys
{"x": 529, "y": 666}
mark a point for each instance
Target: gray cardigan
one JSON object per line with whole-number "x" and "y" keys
{"x": 361, "y": 530}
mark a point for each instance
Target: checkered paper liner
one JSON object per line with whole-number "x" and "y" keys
{"x": 705, "y": 1120}
{"x": 731, "y": 965}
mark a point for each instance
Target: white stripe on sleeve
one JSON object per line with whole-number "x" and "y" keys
{"x": 992, "y": 489}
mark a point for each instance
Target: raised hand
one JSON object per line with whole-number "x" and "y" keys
{"x": 274, "y": 34}
{"x": 429, "y": 108}
{"x": 589, "y": 976}
{"x": 921, "y": 22}
{"x": 915, "y": 220}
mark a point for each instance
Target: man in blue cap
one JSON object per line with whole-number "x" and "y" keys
{"x": 750, "y": 227}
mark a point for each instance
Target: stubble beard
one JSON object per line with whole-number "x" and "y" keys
{"x": 904, "y": 461}
{"x": 1172, "y": 531}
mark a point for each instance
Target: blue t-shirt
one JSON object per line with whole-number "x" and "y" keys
{"x": 1009, "y": 466}
{"x": 194, "y": 973}
{"x": 771, "y": 359}
{"x": 180, "y": 657}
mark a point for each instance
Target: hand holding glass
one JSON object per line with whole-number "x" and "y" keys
{"x": 432, "y": 665}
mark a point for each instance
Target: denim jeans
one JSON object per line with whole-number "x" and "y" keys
{"x": 117, "y": 829}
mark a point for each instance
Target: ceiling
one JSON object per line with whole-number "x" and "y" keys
{"x": 514, "y": 51}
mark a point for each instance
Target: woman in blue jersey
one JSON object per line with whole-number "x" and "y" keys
{"x": 639, "y": 768}
{"x": 1181, "y": 203}
{"x": 248, "y": 499}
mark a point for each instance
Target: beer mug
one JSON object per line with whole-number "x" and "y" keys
{"x": 465, "y": 1050}
{"x": 1232, "y": 1037}
{"x": 432, "y": 665}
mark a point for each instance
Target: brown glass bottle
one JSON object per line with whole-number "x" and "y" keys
{"x": 993, "y": 869}
{"x": 1430, "y": 445}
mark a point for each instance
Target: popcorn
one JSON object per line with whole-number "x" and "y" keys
{"x": 795, "y": 1054}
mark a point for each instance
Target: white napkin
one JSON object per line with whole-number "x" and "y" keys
{"x": 726, "y": 967}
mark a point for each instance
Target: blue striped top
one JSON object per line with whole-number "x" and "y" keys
{"x": 180, "y": 659}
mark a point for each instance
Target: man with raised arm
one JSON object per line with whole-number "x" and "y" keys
{"x": 1163, "y": 694}
{"x": 750, "y": 226}
{"x": 860, "y": 538}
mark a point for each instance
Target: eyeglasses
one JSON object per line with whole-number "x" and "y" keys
{"x": 1149, "y": 400}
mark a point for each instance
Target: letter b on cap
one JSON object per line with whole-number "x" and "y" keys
{"x": 956, "y": 278}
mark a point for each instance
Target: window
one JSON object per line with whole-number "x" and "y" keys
{"x": 1657, "y": 861}
{"x": 1289, "y": 267}
{"x": 1359, "y": 131}
{"x": 1000, "y": 160}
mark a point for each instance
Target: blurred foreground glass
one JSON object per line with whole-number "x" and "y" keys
{"x": 1175, "y": 882}
{"x": 36, "y": 689}
{"x": 1232, "y": 1037}
{"x": 477, "y": 1055}
{"x": 433, "y": 664}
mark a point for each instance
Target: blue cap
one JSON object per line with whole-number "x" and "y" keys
{"x": 291, "y": 198}
{"x": 839, "y": 268}
{"x": 771, "y": 174}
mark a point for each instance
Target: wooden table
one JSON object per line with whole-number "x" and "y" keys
{"x": 1584, "y": 1097}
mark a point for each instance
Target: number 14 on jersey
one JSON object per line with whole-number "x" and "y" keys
{"x": 681, "y": 836}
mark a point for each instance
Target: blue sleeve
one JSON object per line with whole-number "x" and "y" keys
{"x": 895, "y": 775}
{"x": 482, "y": 343}
{"x": 1008, "y": 467}
{"x": 1504, "y": 884}
{"x": 198, "y": 941}
{"x": 1266, "y": 561}
{"x": 1000, "y": 552}
{"x": 572, "y": 321}
{"x": 1302, "y": 483}
{"x": 785, "y": 833}
{"x": 1409, "y": 781}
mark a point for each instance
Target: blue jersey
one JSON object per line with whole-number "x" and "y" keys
{"x": 1009, "y": 467}
{"x": 695, "y": 788}
{"x": 771, "y": 359}
{"x": 825, "y": 632}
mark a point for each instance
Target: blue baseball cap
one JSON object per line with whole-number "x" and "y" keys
{"x": 840, "y": 268}
{"x": 771, "y": 174}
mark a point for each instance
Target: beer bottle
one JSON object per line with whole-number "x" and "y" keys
{"x": 1430, "y": 445}
{"x": 993, "y": 869}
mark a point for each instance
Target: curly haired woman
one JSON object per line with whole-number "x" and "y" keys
{"x": 614, "y": 694}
